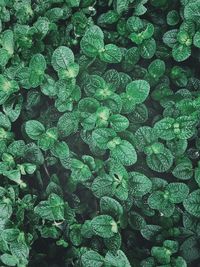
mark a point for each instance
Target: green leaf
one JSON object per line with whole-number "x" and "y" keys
{"x": 70, "y": 72}
{"x": 109, "y": 17}
{"x": 148, "y": 48}
{"x": 52, "y": 209}
{"x": 20, "y": 250}
{"x": 122, "y": 5}
{"x": 16, "y": 148}
{"x": 87, "y": 106}
{"x": 42, "y": 26}
{"x": 10, "y": 235}
{"x": 139, "y": 114}
{"x": 140, "y": 10}
{"x": 150, "y": 232}
{"x": 8, "y": 87}
{"x": 12, "y": 107}
{"x": 179, "y": 262}
{"x": 190, "y": 249}
{"x": 37, "y": 67}
{"x": 160, "y": 202}
{"x": 148, "y": 262}
{"x": 191, "y": 11}
{"x": 181, "y": 52}
{"x": 44, "y": 142}
{"x": 125, "y": 153}
{"x": 103, "y": 186}
{"x": 111, "y": 54}
{"x": 112, "y": 76}
{"x": 186, "y": 125}
{"x": 136, "y": 221}
{"x": 4, "y": 57}
{"x": 138, "y": 90}
{"x": 47, "y": 140}
{"x": 102, "y": 136}
{"x": 160, "y": 160}
{"x": 9, "y": 260}
{"x": 92, "y": 259}
{"x": 60, "y": 150}
{"x": 148, "y": 32}
{"x": 5, "y": 209}
{"x": 196, "y": 39}
{"x": 113, "y": 243}
{"x": 14, "y": 175}
{"x": 197, "y": 174}
{"x": 34, "y": 129}
{"x": 48, "y": 87}
{"x": 101, "y": 117}
{"x": 65, "y": 89}
{"x": 80, "y": 171}
{"x": 144, "y": 136}
{"x": 169, "y": 128}
{"x": 135, "y": 24}
{"x": 165, "y": 128}
{"x": 86, "y": 229}
{"x": 139, "y": 184}
{"x": 131, "y": 58}
{"x": 8, "y": 41}
{"x": 172, "y": 245}
{"x": 4, "y": 121}
{"x": 177, "y": 192}
{"x": 111, "y": 207}
{"x": 104, "y": 226}
{"x": 121, "y": 190}
{"x": 136, "y": 38}
{"x": 75, "y": 235}
{"x": 62, "y": 57}
{"x": 157, "y": 68}
{"x": 92, "y": 42}
{"x": 117, "y": 259}
{"x": 191, "y": 203}
{"x": 114, "y": 103}
{"x": 29, "y": 168}
{"x": 161, "y": 254}
{"x": 170, "y": 37}
{"x": 183, "y": 170}
{"x": 173, "y": 18}
{"x": 95, "y": 82}
{"x": 73, "y": 3}
{"x": 49, "y": 232}
{"x": 118, "y": 122}
{"x": 177, "y": 146}
{"x": 68, "y": 124}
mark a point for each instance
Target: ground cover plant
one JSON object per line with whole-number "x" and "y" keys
{"x": 99, "y": 133}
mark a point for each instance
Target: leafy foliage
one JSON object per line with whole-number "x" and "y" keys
{"x": 99, "y": 133}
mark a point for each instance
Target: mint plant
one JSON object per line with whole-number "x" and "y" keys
{"x": 99, "y": 133}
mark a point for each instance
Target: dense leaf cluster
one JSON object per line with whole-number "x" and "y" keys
{"x": 99, "y": 133}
